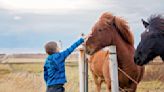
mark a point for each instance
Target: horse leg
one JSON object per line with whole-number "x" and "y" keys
{"x": 98, "y": 83}
{"x": 108, "y": 83}
{"x": 108, "y": 86}
{"x": 100, "y": 80}
{"x": 106, "y": 75}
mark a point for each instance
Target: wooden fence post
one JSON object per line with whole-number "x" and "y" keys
{"x": 113, "y": 67}
{"x": 83, "y": 70}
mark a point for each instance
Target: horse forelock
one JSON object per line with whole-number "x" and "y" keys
{"x": 122, "y": 26}
{"x": 157, "y": 22}
{"x": 107, "y": 16}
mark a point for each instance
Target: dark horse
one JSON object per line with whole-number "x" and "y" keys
{"x": 112, "y": 30}
{"x": 152, "y": 41}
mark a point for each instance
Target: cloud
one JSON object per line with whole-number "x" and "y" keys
{"x": 47, "y": 6}
{"x": 31, "y": 23}
{"x": 17, "y": 17}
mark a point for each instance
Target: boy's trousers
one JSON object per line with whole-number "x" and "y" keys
{"x": 56, "y": 88}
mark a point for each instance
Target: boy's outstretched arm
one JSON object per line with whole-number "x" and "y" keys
{"x": 69, "y": 50}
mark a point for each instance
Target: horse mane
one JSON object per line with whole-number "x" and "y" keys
{"x": 157, "y": 22}
{"x": 121, "y": 26}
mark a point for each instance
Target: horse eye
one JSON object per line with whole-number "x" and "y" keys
{"x": 151, "y": 48}
{"x": 100, "y": 30}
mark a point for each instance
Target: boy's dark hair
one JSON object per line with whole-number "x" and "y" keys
{"x": 51, "y": 47}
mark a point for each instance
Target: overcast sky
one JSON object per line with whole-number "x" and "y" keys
{"x": 26, "y": 25}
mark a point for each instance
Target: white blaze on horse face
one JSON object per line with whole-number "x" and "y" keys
{"x": 147, "y": 29}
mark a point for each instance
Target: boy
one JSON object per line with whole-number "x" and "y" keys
{"x": 54, "y": 67}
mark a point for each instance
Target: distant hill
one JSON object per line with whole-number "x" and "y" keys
{"x": 29, "y": 55}
{"x": 2, "y": 55}
{"x": 73, "y": 56}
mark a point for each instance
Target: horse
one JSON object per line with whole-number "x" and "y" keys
{"x": 99, "y": 67}
{"x": 152, "y": 41}
{"x": 113, "y": 30}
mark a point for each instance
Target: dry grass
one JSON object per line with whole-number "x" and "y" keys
{"x": 154, "y": 72}
{"x": 29, "y": 78}
{"x": 21, "y": 78}
{"x": 22, "y": 82}
{"x": 153, "y": 80}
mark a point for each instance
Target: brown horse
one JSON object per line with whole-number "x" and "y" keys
{"x": 99, "y": 66}
{"x": 112, "y": 30}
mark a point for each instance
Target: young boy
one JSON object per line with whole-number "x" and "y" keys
{"x": 54, "y": 67}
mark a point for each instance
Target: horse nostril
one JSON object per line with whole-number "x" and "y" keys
{"x": 136, "y": 59}
{"x": 139, "y": 53}
{"x": 87, "y": 52}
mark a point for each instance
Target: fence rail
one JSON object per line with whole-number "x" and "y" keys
{"x": 69, "y": 61}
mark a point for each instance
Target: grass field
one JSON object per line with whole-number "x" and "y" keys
{"x": 29, "y": 78}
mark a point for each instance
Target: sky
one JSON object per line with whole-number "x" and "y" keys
{"x": 26, "y": 25}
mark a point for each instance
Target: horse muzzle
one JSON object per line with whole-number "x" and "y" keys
{"x": 90, "y": 51}
{"x": 138, "y": 61}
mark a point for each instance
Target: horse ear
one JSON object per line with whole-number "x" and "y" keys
{"x": 116, "y": 24}
{"x": 112, "y": 22}
{"x": 145, "y": 23}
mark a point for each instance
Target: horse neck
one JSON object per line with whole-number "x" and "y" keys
{"x": 125, "y": 53}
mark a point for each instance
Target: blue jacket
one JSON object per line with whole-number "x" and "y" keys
{"x": 54, "y": 67}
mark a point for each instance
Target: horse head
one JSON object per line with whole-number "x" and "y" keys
{"x": 104, "y": 33}
{"x": 152, "y": 39}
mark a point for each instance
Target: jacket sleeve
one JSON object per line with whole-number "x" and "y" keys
{"x": 62, "y": 55}
{"x": 69, "y": 50}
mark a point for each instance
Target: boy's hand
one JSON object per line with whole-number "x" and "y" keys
{"x": 85, "y": 37}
